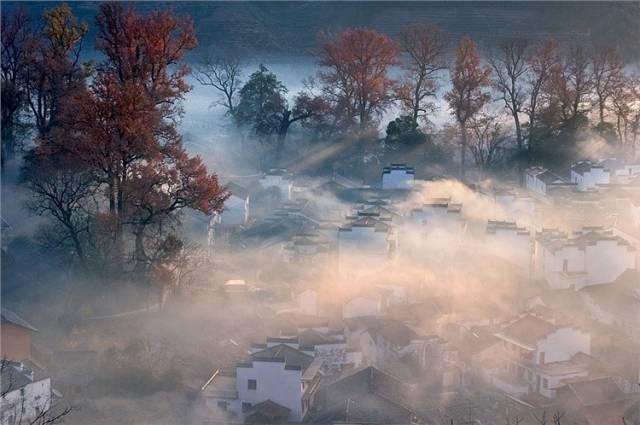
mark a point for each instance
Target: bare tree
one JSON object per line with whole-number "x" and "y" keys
{"x": 542, "y": 61}
{"x": 424, "y": 47}
{"x": 15, "y": 37}
{"x": 510, "y": 68}
{"x": 607, "y": 73}
{"x": 572, "y": 84}
{"x": 486, "y": 140}
{"x": 223, "y": 74}
{"x": 61, "y": 188}
{"x": 622, "y": 98}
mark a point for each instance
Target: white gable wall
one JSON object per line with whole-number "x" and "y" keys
{"x": 562, "y": 344}
{"x": 236, "y": 211}
{"x": 397, "y": 179}
{"x": 590, "y": 179}
{"x": 273, "y": 382}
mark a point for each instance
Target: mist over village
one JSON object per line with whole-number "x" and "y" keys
{"x": 408, "y": 213}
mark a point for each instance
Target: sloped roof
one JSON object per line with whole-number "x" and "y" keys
{"x": 549, "y": 177}
{"x": 12, "y": 317}
{"x": 269, "y": 410}
{"x": 237, "y": 190}
{"x": 596, "y": 391}
{"x": 376, "y": 224}
{"x": 582, "y": 167}
{"x": 311, "y": 338}
{"x": 527, "y": 330}
{"x": 397, "y": 333}
{"x": 620, "y": 297}
{"x": 293, "y": 358}
{"x": 368, "y": 395}
{"x": 554, "y": 239}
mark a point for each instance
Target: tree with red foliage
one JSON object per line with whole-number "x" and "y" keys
{"x": 468, "y": 96}
{"x": 148, "y": 50}
{"x": 123, "y": 127}
{"x": 132, "y": 106}
{"x": 356, "y": 80}
{"x": 162, "y": 186}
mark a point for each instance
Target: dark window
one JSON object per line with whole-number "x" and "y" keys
{"x": 246, "y": 407}
{"x": 252, "y": 384}
{"x": 541, "y": 358}
{"x": 545, "y": 383}
{"x": 565, "y": 266}
{"x": 223, "y": 405}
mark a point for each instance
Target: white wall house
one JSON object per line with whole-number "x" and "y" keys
{"x": 364, "y": 244}
{"x": 24, "y": 397}
{"x": 537, "y": 355}
{"x": 621, "y": 171}
{"x": 540, "y": 180}
{"x": 281, "y": 373}
{"x": 589, "y": 176}
{"x": 398, "y": 176}
{"x": 437, "y": 223}
{"x": 591, "y": 256}
{"x": 506, "y": 240}
{"x": 280, "y": 179}
{"x": 236, "y": 207}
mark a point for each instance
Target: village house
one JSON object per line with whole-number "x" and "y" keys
{"x": 588, "y": 176}
{"x": 621, "y": 171}
{"x": 538, "y": 356}
{"x": 616, "y": 304}
{"x": 398, "y": 176}
{"x": 365, "y": 243}
{"x": 278, "y": 373}
{"x": 308, "y": 247}
{"x": 24, "y": 395}
{"x": 436, "y": 219}
{"x": 505, "y": 239}
{"x": 15, "y": 336}
{"x": 281, "y": 180}
{"x": 540, "y": 180}
{"x": 367, "y": 396}
{"x": 236, "y": 208}
{"x": 590, "y": 256}
{"x": 595, "y": 401}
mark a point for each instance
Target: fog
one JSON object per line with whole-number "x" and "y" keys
{"x": 453, "y": 263}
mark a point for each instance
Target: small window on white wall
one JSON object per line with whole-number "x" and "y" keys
{"x": 252, "y": 384}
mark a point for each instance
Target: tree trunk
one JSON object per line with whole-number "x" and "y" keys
{"x": 531, "y": 133}
{"x": 285, "y": 123}
{"x": 140, "y": 253}
{"x": 463, "y": 149}
{"x": 601, "y": 106}
{"x": 516, "y": 120}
